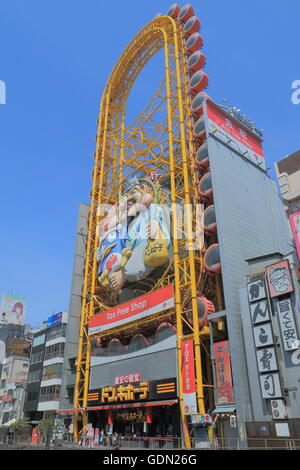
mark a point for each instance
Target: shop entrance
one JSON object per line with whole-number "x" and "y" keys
{"x": 154, "y": 421}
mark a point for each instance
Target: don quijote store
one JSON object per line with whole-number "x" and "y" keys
{"x": 133, "y": 380}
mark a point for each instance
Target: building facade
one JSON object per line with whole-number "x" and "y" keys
{"x": 165, "y": 336}
{"x": 133, "y": 385}
{"x": 45, "y": 371}
{"x": 14, "y": 372}
{"x": 72, "y": 332}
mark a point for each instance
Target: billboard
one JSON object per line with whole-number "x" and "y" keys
{"x": 295, "y": 225}
{"x": 134, "y": 234}
{"x": 223, "y": 374}
{"x": 141, "y": 391}
{"x": 135, "y": 309}
{"x": 54, "y": 319}
{"x": 234, "y": 134}
{"x": 12, "y": 310}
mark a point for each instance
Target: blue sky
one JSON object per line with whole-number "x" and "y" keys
{"x": 55, "y": 58}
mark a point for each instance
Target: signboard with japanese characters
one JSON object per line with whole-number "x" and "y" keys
{"x": 279, "y": 278}
{"x": 270, "y": 385}
{"x": 128, "y": 378}
{"x": 188, "y": 377}
{"x": 266, "y": 359}
{"x": 234, "y": 134}
{"x": 133, "y": 392}
{"x": 267, "y": 365}
{"x": 259, "y": 311}
{"x": 263, "y": 335}
{"x": 256, "y": 290}
{"x": 223, "y": 373}
{"x": 287, "y": 325}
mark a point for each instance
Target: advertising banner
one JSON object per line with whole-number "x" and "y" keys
{"x": 295, "y": 225}
{"x": 12, "y": 310}
{"x": 231, "y": 132}
{"x": 279, "y": 278}
{"x": 137, "y": 308}
{"x": 54, "y": 319}
{"x": 223, "y": 373}
{"x": 188, "y": 377}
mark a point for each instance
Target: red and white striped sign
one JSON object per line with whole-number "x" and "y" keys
{"x": 137, "y": 308}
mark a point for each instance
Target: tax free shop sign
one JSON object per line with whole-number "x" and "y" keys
{"x": 135, "y": 309}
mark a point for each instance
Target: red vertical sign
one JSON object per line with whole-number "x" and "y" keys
{"x": 188, "y": 377}
{"x": 223, "y": 373}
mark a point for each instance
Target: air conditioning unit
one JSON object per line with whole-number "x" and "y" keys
{"x": 279, "y": 410}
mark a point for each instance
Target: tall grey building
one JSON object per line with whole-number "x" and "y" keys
{"x": 72, "y": 333}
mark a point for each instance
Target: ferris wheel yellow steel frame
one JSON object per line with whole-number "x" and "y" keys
{"x": 147, "y": 145}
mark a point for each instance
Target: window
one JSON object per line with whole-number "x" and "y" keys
{"x": 36, "y": 357}
{"x": 32, "y": 396}
{"x": 34, "y": 376}
{"x": 38, "y": 340}
{"x": 56, "y": 331}
{"x": 50, "y": 393}
{"x": 55, "y": 350}
{"x": 52, "y": 371}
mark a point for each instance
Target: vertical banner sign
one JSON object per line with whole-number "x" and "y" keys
{"x": 295, "y": 225}
{"x": 188, "y": 377}
{"x": 223, "y": 373}
{"x": 287, "y": 325}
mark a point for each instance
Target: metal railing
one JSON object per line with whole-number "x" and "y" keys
{"x": 164, "y": 443}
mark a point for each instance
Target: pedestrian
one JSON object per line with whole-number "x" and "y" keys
{"x": 101, "y": 438}
{"x": 116, "y": 441}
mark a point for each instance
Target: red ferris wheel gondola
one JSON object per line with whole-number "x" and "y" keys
{"x": 191, "y": 26}
{"x": 198, "y": 81}
{"x": 186, "y": 12}
{"x": 196, "y": 61}
{"x": 212, "y": 259}
{"x": 193, "y": 43}
{"x": 174, "y": 11}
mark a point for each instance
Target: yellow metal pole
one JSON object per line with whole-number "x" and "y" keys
{"x": 175, "y": 245}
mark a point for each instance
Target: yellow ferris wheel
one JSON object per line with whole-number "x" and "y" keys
{"x": 162, "y": 140}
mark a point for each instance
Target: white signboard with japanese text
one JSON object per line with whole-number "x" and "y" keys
{"x": 263, "y": 335}
{"x": 259, "y": 311}
{"x": 256, "y": 290}
{"x": 270, "y": 385}
{"x": 287, "y": 325}
{"x": 266, "y": 359}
